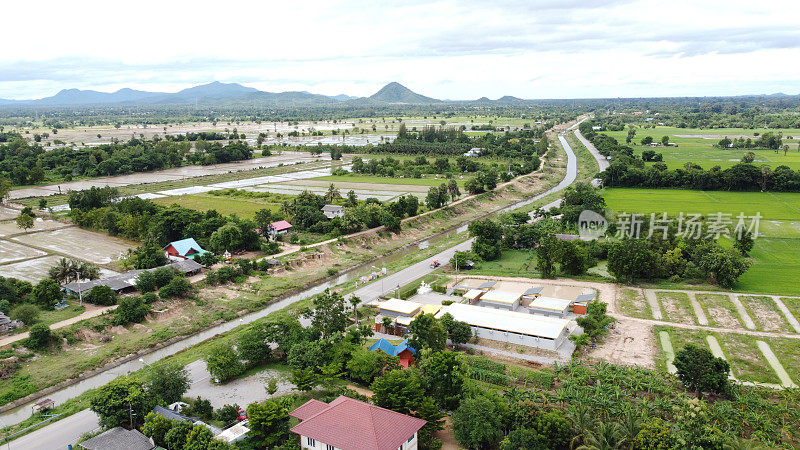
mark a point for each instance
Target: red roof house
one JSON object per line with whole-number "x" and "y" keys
{"x": 347, "y": 424}
{"x": 280, "y": 227}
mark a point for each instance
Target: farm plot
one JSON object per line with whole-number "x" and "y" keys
{"x": 747, "y": 361}
{"x": 242, "y": 207}
{"x": 765, "y": 313}
{"x": 8, "y": 213}
{"x": 788, "y": 352}
{"x": 677, "y": 307}
{"x": 31, "y": 270}
{"x": 632, "y": 303}
{"x": 39, "y": 224}
{"x": 94, "y": 247}
{"x": 720, "y": 311}
{"x": 11, "y": 251}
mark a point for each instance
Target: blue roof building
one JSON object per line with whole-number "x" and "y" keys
{"x": 185, "y": 248}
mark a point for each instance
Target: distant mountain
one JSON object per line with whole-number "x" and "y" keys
{"x": 343, "y": 97}
{"x": 509, "y": 99}
{"x": 215, "y": 90}
{"x": 395, "y": 92}
{"x": 89, "y": 97}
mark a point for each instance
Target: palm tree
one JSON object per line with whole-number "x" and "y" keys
{"x": 355, "y": 301}
{"x": 64, "y": 271}
{"x": 332, "y": 193}
{"x": 583, "y": 423}
{"x": 607, "y": 436}
{"x": 87, "y": 270}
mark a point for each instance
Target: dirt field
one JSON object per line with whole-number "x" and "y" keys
{"x": 721, "y": 311}
{"x": 32, "y": 270}
{"x": 628, "y": 343}
{"x": 39, "y": 224}
{"x": 11, "y": 251}
{"x": 674, "y": 306}
{"x": 94, "y": 247}
{"x": 765, "y": 314}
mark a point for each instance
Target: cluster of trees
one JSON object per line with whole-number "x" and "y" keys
{"x": 415, "y": 168}
{"x": 24, "y": 163}
{"x": 628, "y": 171}
{"x": 304, "y": 212}
{"x": 156, "y": 225}
{"x": 767, "y": 140}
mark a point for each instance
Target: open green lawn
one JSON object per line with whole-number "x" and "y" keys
{"x": 776, "y": 261}
{"x": 701, "y": 150}
{"x": 358, "y": 178}
{"x": 242, "y": 207}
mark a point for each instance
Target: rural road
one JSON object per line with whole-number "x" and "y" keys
{"x": 366, "y": 293}
{"x": 59, "y": 434}
{"x": 601, "y": 160}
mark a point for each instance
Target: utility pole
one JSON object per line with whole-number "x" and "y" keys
{"x": 130, "y": 413}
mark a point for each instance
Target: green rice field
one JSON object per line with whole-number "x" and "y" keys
{"x": 697, "y": 146}
{"x": 776, "y": 259}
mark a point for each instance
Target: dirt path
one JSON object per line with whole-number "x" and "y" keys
{"x": 655, "y": 308}
{"x": 786, "y": 380}
{"x": 93, "y": 312}
{"x": 788, "y": 314}
{"x": 748, "y": 321}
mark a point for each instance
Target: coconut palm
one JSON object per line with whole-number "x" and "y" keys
{"x": 355, "y": 301}
{"x": 64, "y": 271}
{"x": 87, "y": 271}
{"x": 607, "y": 436}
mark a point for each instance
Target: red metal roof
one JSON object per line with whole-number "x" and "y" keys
{"x": 280, "y": 225}
{"x": 349, "y": 424}
{"x": 309, "y": 409}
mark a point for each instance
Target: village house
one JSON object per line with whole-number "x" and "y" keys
{"x": 279, "y": 227}
{"x": 184, "y": 249}
{"x": 333, "y": 211}
{"x": 348, "y": 424}
{"x": 403, "y": 351}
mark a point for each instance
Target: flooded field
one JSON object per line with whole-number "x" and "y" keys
{"x": 173, "y": 174}
{"x": 78, "y": 243}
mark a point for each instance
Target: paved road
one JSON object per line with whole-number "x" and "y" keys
{"x": 366, "y": 293}
{"x": 93, "y": 312}
{"x": 58, "y": 434}
{"x": 601, "y": 160}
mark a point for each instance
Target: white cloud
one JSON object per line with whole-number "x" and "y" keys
{"x": 446, "y": 49}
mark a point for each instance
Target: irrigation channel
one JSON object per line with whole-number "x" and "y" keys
{"x": 368, "y": 292}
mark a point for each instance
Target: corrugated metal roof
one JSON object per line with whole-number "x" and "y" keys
{"x": 500, "y": 319}
{"x": 118, "y": 437}
{"x": 128, "y": 279}
{"x": 585, "y": 298}
{"x": 487, "y": 285}
{"x": 184, "y": 246}
{"x": 280, "y": 225}
{"x": 353, "y": 425}
{"x": 501, "y": 296}
{"x": 401, "y": 306}
{"x": 533, "y": 291}
{"x": 556, "y": 304}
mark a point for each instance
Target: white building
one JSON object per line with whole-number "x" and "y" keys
{"x": 500, "y": 299}
{"x": 333, "y": 211}
{"x": 550, "y": 306}
{"x": 530, "y": 330}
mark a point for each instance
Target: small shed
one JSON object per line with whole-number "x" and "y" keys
{"x": 532, "y": 293}
{"x": 394, "y": 307}
{"x": 403, "y": 351}
{"x": 500, "y": 300}
{"x": 549, "y": 306}
{"x": 582, "y": 302}
{"x": 234, "y": 433}
{"x": 487, "y": 285}
{"x": 473, "y": 295}
{"x": 333, "y": 211}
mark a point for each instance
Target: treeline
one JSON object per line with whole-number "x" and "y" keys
{"x": 30, "y": 164}
{"x": 415, "y": 168}
{"x": 626, "y": 170}
{"x": 204, "y": 136}
{"x": 767, "y": 140}
{"x": 145, "y": 221}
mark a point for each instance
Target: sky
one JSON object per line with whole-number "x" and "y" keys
{"x": 459, "y": 49}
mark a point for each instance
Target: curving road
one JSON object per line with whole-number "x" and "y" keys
{"x": 367, "y": 293}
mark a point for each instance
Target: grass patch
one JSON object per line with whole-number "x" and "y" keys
{"x": 793, "y": 305}
{"x": 747, "y": 362}
{"x": 242, "y": 207}
{"x": 633, "y": 304}
{"x": 787, "y": 352}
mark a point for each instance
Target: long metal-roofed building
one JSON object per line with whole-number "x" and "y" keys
{"x": 127, "y": 281}
{"x": 530, "y": 330}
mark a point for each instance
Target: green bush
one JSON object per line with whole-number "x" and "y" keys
{"x": 163, "y": 275}
{"x": 101, "y": 295}
{"x": 130, "y": 309}
{"x": 177, "y": 287}
{"x": 39, "y": 337}
{"x": 27, "y": 314}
